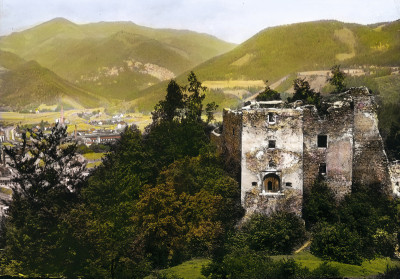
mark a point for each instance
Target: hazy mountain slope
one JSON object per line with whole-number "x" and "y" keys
{"x": 26, "y": 85}
{"x": 276, "y": 52}
{"x": 283, "y": 51}
{"x": 116, "y": 59}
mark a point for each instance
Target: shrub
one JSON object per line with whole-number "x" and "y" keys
{"x": 319, "y": 205}
{"x": 337, "y": 243}
{"x": 276, "y": 234}
{"x": 325, "y": 270}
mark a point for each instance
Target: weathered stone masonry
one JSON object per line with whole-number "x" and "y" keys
{"x": 282, "y": 148}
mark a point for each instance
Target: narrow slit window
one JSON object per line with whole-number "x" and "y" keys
{"x": 271, "y": 144}
{"x": 233, "y": 131}
{"x": 288, "y": 184}
{"x": 271, "y": 117}
{"x": 322, "y": 141}
{"x": 322, "y": 169}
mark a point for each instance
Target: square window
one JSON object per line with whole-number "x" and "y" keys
{"x": 322, "y": 141}
{"x": 288, "y": 184}
{"x": 272, "y": 164}
{"x": 271, "y": 117}
{"x": 271, "y": 144}
{"x": 253, "y": 183}
{"x": 322, "y": 169}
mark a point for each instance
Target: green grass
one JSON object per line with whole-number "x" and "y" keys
{"x": 367, "y": 268}
{"x": 93, "y": 156}
{"x": 192, "y": 269}
{"x": 93, "y": 165}
{"x": 187, "y": 270}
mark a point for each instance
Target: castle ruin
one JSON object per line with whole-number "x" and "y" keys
{"x": 281, "y": 149}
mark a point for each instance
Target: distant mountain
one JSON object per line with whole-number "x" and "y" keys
{"x": 125, "y": 61}
{"x": 279, "y": 51}
{"x": 278, "y": 54}
{"x": 113, "y": 59}
{"x": 26, "y": 85}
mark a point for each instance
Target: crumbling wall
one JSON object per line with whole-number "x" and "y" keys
{"x": 394, "y": 168}
{"x": 259, "y": 159}
{"x": 289, "y": 201}
{"x": 217, "y": 139}
{"x": 336, "y": 123}
{"x": 370, "y": 164}
{"x": 231, "y": 139}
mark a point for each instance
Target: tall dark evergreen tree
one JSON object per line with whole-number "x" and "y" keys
{"x": 48, "y": 179}
{"x": 268, "y": 94}
{"x": 304, "y": 92}
{"x": 337, "y": 79}
{"x": 194, "y": 102}
{"x": 170, "y": 108}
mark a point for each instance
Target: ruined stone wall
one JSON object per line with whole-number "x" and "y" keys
{"x": 337, "y": 125}
{"x": 370, "y": 164}
{"x": 231, "y": 137}
{"x": 395, "y": 177}
{"x": 284, "y": 160}
{"x": 217, "y": 139}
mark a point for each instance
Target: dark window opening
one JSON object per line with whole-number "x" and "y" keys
{"x": 253, "y": 183}
{"x": 397, "y": 183}
{"x": 288, "y": 184}
{"x": 269, "y": 185}
{"x": 322, "y": 169}
{"x": 233, "y": 131}
{"x": 271, "y": 144}
{"x": 271, "y": 117}
{"x": 322, "y": 141}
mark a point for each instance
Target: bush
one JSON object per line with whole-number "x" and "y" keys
{"x": 390, "y": 273}
{"x": 337, "y": 243}
{"x": 246, "y": 263}
{"x": 276, "y": 234}
{"x": 325, "y": 270}
{"x": 319, "y": 205}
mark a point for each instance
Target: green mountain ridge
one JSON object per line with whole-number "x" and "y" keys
{"x": 80, "y": 52}
{"x": 125, "y": 61}
{"x": 26, "y": 85}
{"x": 284, "y": 51}
{"x": 278, "y": 51}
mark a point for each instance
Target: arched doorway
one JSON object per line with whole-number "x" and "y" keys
{"x": 271, "y": 183}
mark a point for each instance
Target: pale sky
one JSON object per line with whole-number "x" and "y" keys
{"x": 230, "y": 20}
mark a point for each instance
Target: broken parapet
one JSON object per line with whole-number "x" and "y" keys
{"x": 370, "y": 163}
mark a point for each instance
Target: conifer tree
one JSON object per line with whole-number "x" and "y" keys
{"x": 48, "y": 179}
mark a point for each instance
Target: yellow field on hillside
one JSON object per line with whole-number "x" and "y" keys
{"x": 221, "y": 84}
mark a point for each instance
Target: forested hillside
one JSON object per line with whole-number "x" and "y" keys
{"x": 113, "y": 59}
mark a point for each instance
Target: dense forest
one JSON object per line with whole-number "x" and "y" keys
{"x": 165, "y": 196}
